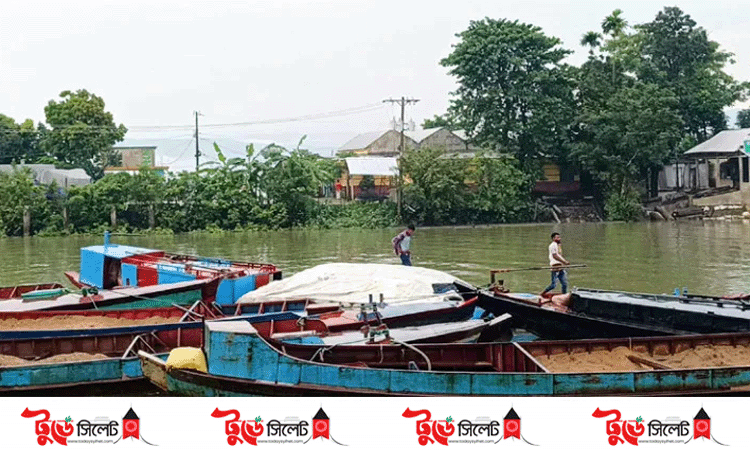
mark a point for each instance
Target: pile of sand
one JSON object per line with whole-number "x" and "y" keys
{"x": 79, "y": 322}
{"x": 617, "y": 360}
{"x": 10, "y": 361}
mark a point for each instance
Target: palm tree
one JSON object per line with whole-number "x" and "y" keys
{"x": 592, "y": 39}
{"x": 613, "y": 25}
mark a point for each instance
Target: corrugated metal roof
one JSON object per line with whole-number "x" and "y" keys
{"x": 362, "y": 140}
{"x": 46, "y": 173}
{"x": 725, "y": 143}
{"x": 65, "y": 177}
{"x": 461, "y": 134}
{"x": 422, "y": 134}
{"x": 372, "y": 165}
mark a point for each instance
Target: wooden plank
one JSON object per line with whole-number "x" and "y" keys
{"x": 648, "y": 362}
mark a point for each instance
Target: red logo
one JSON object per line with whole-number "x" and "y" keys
{"x": 630, "y": 430}
{"x": 320, "y": 424}
{"x": 674, "y": 429}
{"x": 254, "y": 432}
{"x": 59, "y": 429}
{"x": 102, "y": 430}
{"x": 234, "y": 429}
{"x": 512, "y": 425}
{"x": 439, "y": 431}
{"x": 465, "y": 431}
{"x": 131, "y": 425}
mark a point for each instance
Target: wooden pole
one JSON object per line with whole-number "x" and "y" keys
{"x": 572, "y": 266}
{"x": 113, "y": 217}
{"x": 26, "y": 221}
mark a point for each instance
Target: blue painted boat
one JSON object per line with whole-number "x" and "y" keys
{"x": 25, "y": 324}
{"x": 241, "y": 362}
{"x": 109, "y": 266}
{"x": 117, "y": 366}
{"x": 184, "y": 293}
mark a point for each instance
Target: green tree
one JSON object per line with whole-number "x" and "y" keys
{"x": 614, "y": 26}
{"x": 637, "y": 128}
{"x": 591, "y": 39}
{"x": 18, "y": 141}
{"x": 502, "y": 191}
{"x": 436, "y": 192}
{"x": 677, "y": 55}
{"x": 514, "y": 92}
{"x": 18, "y": 192}
{"x": 439, "y": 122}
{"x": 743, "y": 119}
{"x": 291, "y": 178}
{"x": 82, "y": 133}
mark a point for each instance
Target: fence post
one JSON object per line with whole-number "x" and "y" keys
{"x": 26, "y": 221}
{"x": 113, "y": 217}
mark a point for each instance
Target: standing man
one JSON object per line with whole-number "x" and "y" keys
{"x": 556, "y": 259}
{"x": 402, "y": 245}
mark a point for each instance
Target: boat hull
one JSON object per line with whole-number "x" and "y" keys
{"x": 111, "y": 375}
{"x": 119, "y": 344}
{"x": 184, "y": 294}
{"x": 693, "y": 314}
{"x": 245, "y": 364}
{"x": 18, "y": 292}
{"x": 398, "y": 315}
{"x": 549, "y": 323}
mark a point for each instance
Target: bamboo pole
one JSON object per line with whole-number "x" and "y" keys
{"x": 559, "y": 267}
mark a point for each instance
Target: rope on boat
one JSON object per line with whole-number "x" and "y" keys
{"x": 321, "y": 351}
{"x": 418, "y": 351}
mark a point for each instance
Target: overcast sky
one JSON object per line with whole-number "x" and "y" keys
{"x": 328, "y": 63}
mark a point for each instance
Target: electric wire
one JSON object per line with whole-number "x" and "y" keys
{"x": 155, "y": 128}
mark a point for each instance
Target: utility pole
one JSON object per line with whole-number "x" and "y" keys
{"x": 197, "y": 148}
{"x": 403, "y": 102}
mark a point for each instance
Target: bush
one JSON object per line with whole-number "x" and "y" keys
{"x": 356, "y": 215}
{"x": 625, "y": 206}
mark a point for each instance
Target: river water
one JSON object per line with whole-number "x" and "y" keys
{"x": 710, "y": 257}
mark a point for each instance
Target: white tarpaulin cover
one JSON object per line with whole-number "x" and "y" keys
{"x": 352, "y": 283}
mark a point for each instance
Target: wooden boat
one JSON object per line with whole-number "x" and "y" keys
{"x": 242, "y": 362}
{"x": 559, "y": 319}
{"x": 683, "y": 313}
{"x": 32, "y": 291}
{"x": 303, "y": 306}
{"x": 110, "y": 266}
{"x": 408, "y": 314}
{"x": 587, "y": 313}
{"x": 51, "y": 356}
{"x": 472, "y": 330}
{"x": 91, "y": 323}
{"x": 47, "y": 364}
{"x": 183, "y": 293}
{"x": 98, "y": 322}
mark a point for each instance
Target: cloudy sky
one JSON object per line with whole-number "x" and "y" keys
{"x": 280, "y": 69}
